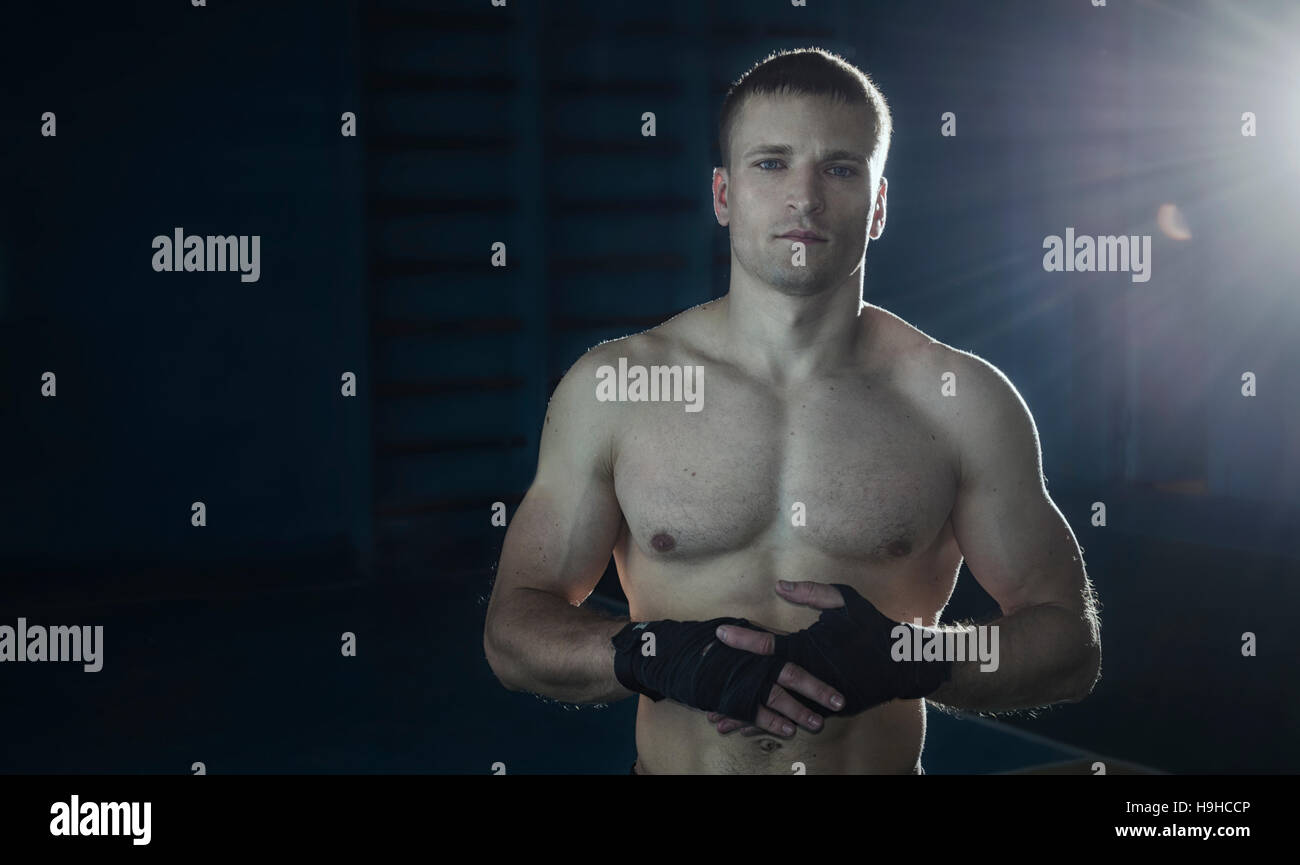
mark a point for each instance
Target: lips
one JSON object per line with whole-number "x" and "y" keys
{"x": 804, "y": 235}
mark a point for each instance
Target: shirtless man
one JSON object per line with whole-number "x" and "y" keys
{"x": 903, "y": 455}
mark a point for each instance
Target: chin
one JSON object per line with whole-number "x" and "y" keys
{"x": 798, "y": 288}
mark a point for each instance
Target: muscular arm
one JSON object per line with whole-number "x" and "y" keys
{"x": 537, "y": 638}
{"x": 1020, "y": 549}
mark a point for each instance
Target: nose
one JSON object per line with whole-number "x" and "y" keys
{"x": 805, "y": 194}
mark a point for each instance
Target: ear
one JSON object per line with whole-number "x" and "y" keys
{"x": 878, "y": 217}
{"x": 720, "y": 211}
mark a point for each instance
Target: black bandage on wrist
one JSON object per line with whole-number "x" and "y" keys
{"x": 691, "y": 666}
{"x": 851, "y": 649}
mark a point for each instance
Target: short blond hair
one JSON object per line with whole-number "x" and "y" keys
{"x": 815, "y": 72}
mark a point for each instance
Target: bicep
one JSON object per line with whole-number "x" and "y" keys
{"x": 561, "y": 536}
{"x": 1015, "y": 540}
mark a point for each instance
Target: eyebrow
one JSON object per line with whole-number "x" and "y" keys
{"x": 787, "y": 150}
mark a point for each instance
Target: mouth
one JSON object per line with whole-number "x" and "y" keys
{"x": 805, "y": 236}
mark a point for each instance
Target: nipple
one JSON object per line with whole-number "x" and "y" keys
{"x": 899, "y": 548}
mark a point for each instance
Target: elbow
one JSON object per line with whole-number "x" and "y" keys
{"x": 1089, "y": 674}
{"x": 497, "y": 660}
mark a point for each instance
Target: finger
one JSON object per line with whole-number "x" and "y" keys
{"x": 727, "y": 725}
{"x": 771, "y": 722}
{"x": 820, "y": 596}
{"x": 758, "y": 642}
{"x": 781, "y": 700}
{"x": 796, "y": 678}
{"x": 768, "y": 723}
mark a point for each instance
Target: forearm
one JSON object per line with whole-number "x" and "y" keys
{"x": 539, "y": 642}
{"x": 1045, "y": 654}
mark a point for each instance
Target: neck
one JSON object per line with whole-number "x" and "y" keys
{"x": 785, "y": 339}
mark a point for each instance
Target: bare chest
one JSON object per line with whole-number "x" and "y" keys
{"x": 851, "y": 470}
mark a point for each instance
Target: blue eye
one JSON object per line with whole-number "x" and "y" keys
{"x": 851, "y": 171}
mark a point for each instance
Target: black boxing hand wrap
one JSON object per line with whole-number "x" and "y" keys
{"x": 691, "y": 666}
{"x": 851, "y": 649}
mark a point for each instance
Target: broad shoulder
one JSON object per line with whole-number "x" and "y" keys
{"x": 575, "y": 403}
{"x": 928, "y": 367}
{"x": 983, "y": 414}
{"x": 688, "y": 336}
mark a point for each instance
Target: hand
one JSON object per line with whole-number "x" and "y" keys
{"x": 821, "y": 596}
{"x": 849, "y": 646}
{"x": 692, "y": 666}
{"x": 785, "y": 695}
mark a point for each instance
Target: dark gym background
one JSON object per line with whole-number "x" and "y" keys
{"x": 476, "y": 124}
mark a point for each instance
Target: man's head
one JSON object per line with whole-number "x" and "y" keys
{"x": 803, "y": 137}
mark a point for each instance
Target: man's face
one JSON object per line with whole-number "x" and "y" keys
{"x": 795, "y": 166}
